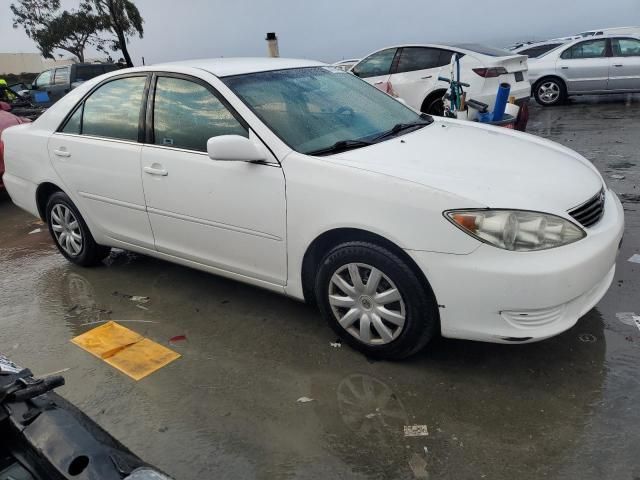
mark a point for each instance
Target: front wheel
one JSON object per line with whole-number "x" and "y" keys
{"x": 374, "y": 301}
{"x": 550, "y": 92}
{"x": 71, "y": 234}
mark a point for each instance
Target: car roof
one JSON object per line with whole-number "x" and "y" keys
{"x": 224, "y": 67}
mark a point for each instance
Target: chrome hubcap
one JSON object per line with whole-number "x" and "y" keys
{"x": 366, "y": 303}
{"x": 549, "y": 92}
{"x": 66, "y": 229}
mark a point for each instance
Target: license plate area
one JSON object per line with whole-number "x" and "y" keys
{"x": 519, "y": 76}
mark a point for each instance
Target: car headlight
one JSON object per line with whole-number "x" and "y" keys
{"x": 516, "y": 230}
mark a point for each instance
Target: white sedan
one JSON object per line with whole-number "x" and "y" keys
{"x": 411, "y": 72}
{"x": 300, "y": 178}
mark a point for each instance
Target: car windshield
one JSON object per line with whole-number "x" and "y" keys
{"x": 318, "y": 110}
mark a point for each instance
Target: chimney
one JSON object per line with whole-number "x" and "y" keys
{"x": 272, "y": 44}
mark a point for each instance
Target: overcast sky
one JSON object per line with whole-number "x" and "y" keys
{"x": 331, "y": 30}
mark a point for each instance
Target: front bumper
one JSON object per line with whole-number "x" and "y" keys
{"x": 500, "y": 296}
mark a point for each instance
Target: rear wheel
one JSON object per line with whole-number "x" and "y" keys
{"x": 434, "y": 106}
{"x": 550, "y": 91}
{"x": 71, "y": 234}
{"x": 375, "y": 301}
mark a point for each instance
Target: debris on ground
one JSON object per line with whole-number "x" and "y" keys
{"x": 418, "y": 466}
{"x": 125, "y": 350}
{"x": 37, "y": 230}
{"x": 416, "y": 431}
{"x": 635, "y": 258}
{"x": 617, "y": 177}
{"x": 178, "y": 338}
{"x": 335, "y": 344}
{"x": 587, "y": 338}
{"x": 142, "y": 307}
{"x": 304, "y": 400}
{"x": 629, "y": 318}
{"x": 133, "y": 298}
{"x": 139, "y": 299}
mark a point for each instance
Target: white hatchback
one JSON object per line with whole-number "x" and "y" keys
{"x": 303, "y": 179}
{"x": 411, "y": 72}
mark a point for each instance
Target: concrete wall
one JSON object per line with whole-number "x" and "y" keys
{"x": 18, "y": 63}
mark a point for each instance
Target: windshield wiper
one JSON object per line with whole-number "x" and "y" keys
{"x": 400, "y": 127}
{"x": 341, "y": 146}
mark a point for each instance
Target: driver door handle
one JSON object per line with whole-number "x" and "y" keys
{"x": 425, "y": 78}
{"x": 379, "y": 83}
{"x": 62, "y": 153}
{"x": 618, "y": 65}
{"x": 156, "y": 171}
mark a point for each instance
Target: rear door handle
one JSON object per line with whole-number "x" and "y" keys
{"x": 62, "y": 153}
{"x": 156, "y": 171}
{"x": 618, "y": 65}
{"x": 564, "y": 68}
{"x": 379, "y": 83}
{"x": 425, "y": 78}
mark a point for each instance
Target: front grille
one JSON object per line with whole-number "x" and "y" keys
{"x": 591, "y": 211}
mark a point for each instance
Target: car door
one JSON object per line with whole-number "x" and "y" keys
{"x": 229, "y": 215}
{"x": 96, "y": 153}
{"x": 585, "y": 66}
{"x": 416, "y": 73}
{"x": 376, "y": 68}
{"x": 60, "y": 86}
{"x": 624, "y": 72}
{"x": 41, "y": 88}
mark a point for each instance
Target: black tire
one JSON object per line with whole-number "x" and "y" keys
{"x": 554, "y": 83}
{"x": 421, "y": 317}
{"x": 89, "y": 253}
{"x": 434, "y": 105}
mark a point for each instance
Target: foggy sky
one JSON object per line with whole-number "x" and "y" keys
{"x": 331, "y": 30}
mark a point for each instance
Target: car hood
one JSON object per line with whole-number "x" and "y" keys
{"x": 488, "y": 166}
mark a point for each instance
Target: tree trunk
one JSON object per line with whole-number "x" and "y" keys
{"x": 123, "y": 47}
{"x": 117, "y": 28}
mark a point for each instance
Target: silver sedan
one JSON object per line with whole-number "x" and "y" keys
{"x": 584, "y": 67}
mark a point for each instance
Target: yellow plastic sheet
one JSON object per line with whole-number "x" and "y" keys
{"x": 126, "y": 350}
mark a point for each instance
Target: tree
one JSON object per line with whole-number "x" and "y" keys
{"x": 51, "y": 30}
{"x": 123, "y": 19}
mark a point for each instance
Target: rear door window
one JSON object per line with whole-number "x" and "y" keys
{"x": 61, "y": 76}
{"x": 375, "y": 65}
{"x": 589, "y": 49}
{"x": 111, "y": 111}
{"x": 625, "y": 47}
{"x": 421, "y": 58}
{"x": 186, "y": 114}
{"x": 87, "y": 72}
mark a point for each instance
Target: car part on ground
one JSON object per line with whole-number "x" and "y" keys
{"x": 317, "y": 174}
{"x": 43, "y": 436}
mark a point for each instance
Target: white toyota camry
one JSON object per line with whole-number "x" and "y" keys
{"x": 306, "y": 180}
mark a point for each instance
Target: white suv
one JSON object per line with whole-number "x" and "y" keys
{"x": 411, "y": 72}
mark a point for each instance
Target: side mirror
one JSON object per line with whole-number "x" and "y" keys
{"x": 233, "y": 148}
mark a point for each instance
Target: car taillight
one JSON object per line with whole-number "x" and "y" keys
{"x": 490, "y": 72}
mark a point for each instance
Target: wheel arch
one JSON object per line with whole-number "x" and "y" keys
{"x": 437, "y": 93}
{"x": 324, "y": 242}
{"x": 43, "y": 192}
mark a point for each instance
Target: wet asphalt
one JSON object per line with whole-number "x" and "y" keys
{"x": 568, "y": 407}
